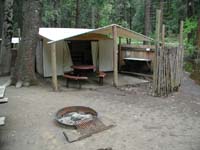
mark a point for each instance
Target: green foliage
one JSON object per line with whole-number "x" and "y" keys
{"x": 190, "y": 25}
{"x": 190, "y": 28}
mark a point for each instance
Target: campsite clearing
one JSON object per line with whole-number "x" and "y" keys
{"x": 143, "y": 122}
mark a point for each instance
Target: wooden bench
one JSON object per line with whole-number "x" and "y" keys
{"x": 2, "y": 91}
{"x": 2, "y": 121}
{"x": 101, "y": 75}
{"x": 3, "y": 100}
{"x": 73, "y": 77}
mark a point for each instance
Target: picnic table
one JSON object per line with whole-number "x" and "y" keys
{"x": 83, "y": 67}
{"x": 2, "y": 101}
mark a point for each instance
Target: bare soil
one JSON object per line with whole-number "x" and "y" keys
{"x": 143, "y": 122}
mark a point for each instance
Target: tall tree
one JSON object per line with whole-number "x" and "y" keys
{"x": 147, "y": 22}
{"x": 1, "y": 15}
{"x": 56, "y": 19}
{"x": 198, "y": 35}
{"x": 24, "y": 72}
{"x": 162, "y": 11}
{"x": 190, "y": 8}
{"x": 93, "y": 17}
{"x": 77, "y": 18}
{"x": 5, "y": 53}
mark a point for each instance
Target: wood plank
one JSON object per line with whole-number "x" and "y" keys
{"x": 138, "y": 46}
{"x": 3, "y": 100}
{"x": 2, "y": 121}
{"x": 138, "y": 74}
{"x": 2, "y": 91}
{"x": 137, "y": 59}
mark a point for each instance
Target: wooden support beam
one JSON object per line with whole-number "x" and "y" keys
{"x": 181, "y": 53}
{"x": 181, "y": 35}
{"x": 163, "y": 35}
{"x": 115, "y": 55}
{"x": 54, "y": 67}
{"x": 158, "y": 25}
{"x": 156, "y": 73}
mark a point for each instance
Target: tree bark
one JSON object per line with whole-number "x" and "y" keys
{"x": 1, "y": 16}
{"x": 198, "y": 44}
{"x": 57, "y": 20}
{"x": 190, "y": 8}
{"x": 198, "y": 36}
{"x": 147, "y": 27}
{"x": 5, "y": 53}
{"x": 93, "y": 18}
{"x": 24, "y": 71}
{"x": 77, "y": 14}
{"x": 162, "y": 12}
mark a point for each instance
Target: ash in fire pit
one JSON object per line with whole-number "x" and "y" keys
{"x": 84, "y": 119}
{"x": 74, "y": 118}
{"x": 75, "y": 115}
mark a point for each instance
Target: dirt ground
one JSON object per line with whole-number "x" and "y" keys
{"x": 142, "y": 122}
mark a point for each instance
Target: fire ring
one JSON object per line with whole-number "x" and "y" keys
{"x": 75, "y": 115}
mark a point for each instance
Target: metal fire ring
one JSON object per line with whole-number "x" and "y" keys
{"x": 62, "y": 112}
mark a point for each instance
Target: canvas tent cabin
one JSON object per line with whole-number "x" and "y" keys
{"x": 57, "y": 45}
{"x": 74, "y": 50}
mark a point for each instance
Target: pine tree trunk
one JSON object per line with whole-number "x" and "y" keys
{"x": 190, "y": 8}
{"x": 147, "y": 27}
{"x": 1, "y": 16}
{"x": 5, "y": 53}
{"x": 77, "y": 13}
{"x": 24, "y": 72}
{"x": 162, "y": 12}
{"x": 198, "y": 46}
{"x": 198, "y": 36}
{"x": 57, "y": 21}
{"x": 93, "y": 18}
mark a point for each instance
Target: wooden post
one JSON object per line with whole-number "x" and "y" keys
{"x": 181, "y": 53}
{"x": 156, "y": 57}
{"x": 115, "y": 55}
{"x": 163, "y": 36}
{"x": 163, "y": 66}
{"x": 53, "y": 65}
{"x": 181, "y": 34}
{"x": 120, "y": 54}
{"x": 158, "y": 21}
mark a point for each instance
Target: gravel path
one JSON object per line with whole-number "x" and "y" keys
{"x": 143, "y": 122}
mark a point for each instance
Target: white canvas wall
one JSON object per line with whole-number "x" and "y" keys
{"x": 105, "y": 50}
{"x": 47, "y": 58}
{"x": 64, "y": 60}
{"x": 94, "y": 49}
{"x": 106, "y": 55}
{"x": 67, "y": 60}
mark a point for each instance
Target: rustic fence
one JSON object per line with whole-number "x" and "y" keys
{"x": 167, "y": 70}
{"x": 168, "y": 62}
